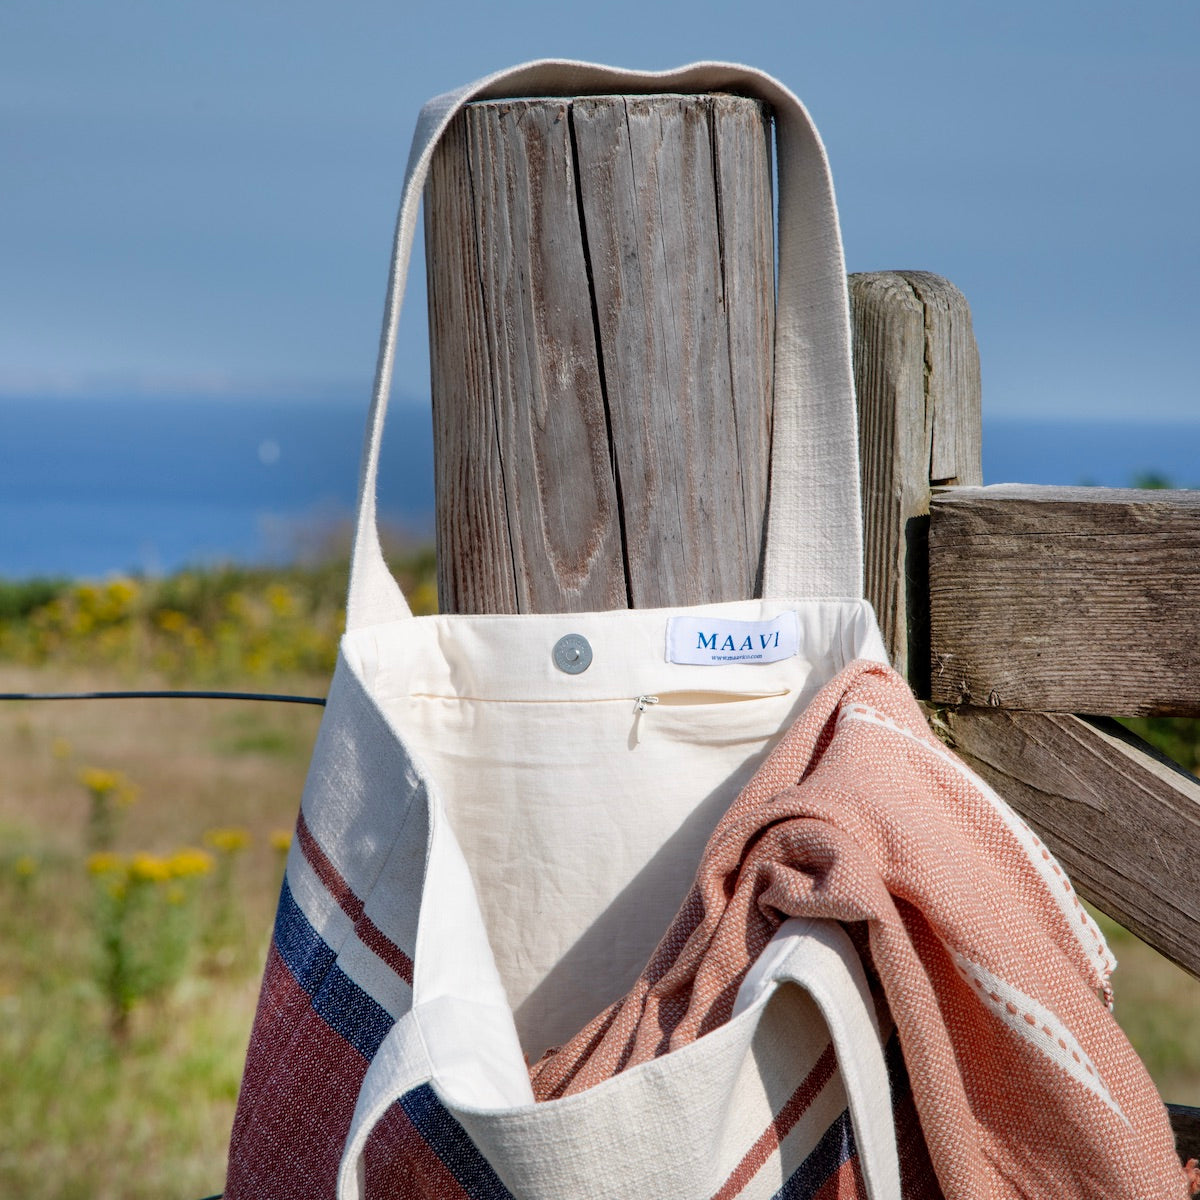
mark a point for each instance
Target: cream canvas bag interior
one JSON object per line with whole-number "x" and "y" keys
{"x": 520, "y": 803}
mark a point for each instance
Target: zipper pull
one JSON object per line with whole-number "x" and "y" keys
{"x": 643, "y": 703}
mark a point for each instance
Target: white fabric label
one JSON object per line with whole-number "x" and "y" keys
{"x": 713, "y": 642}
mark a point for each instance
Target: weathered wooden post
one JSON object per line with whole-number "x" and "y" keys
{"x": 916, "y": 372}
{"x": 1038, "y": 603}
{"x": 601, "y": 294}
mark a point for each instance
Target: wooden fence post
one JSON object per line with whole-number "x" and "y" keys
{"x": 916, "y": 371}
{"x": 601, "y": 295}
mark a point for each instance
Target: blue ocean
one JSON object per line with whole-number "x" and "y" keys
{"x": 89, "y": 487}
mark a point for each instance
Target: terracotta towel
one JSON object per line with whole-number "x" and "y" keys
{"x": 993, "y": 972}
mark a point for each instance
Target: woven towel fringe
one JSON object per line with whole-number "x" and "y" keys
{"x": 1192, "y": 1170}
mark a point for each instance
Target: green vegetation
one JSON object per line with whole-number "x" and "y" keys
{"x": 1176, "y": 737}
{"x": 141, "y": 849}
{"x": 128, "y": 976}
{"x": 1156, "y": 1004}
{"x": 232, "y": 623}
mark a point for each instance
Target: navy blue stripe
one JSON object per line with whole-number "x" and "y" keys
{"x": 349, "y": 1011}
{"x": 835, "y": 1148}
{"x": 449, "y": 1141}
{"x": 896, "y": 1069}
{"x": 308, "y": 957}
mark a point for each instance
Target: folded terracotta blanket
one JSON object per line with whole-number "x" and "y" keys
{"x": 995, "y": 976}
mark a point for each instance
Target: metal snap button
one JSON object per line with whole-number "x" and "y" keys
{"x": 572, "y": 654}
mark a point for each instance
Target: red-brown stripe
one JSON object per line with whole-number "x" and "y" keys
{"x": 769, "y": 1140}
{"x": 365, "y": 929}
{"x": 401, "y": 1164}
{"x": 847, "y": 1183}
{"x": 327, "y": 873}
{"x": 281, "y": 1148}
{"x": 374, "y": 939}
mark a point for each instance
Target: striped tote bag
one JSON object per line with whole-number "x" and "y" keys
{"x": 495, "y": 833}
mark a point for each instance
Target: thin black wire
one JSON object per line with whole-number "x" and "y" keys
{"x": 318, "y": 700}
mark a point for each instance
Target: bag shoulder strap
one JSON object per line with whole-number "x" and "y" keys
{"x": 814, "y": 538}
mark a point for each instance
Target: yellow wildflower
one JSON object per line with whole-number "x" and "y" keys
{"x": 188, "y": 861}
{"x": 105, "y": 784}
{"x": 228, "y": 841}
{"x": 149, "y": 868}
{"x": 423, "y": 599}
{"x": 281, "y": 840}
{"x": 26, "y": 866}
{"x": 99, "y": 781}
{"x": 86, "y": 595}
{"x": 172, "y": 621}
{"x": 60, "y": 748}
{"x": 119, "y": 592}
{"x": 104, "y": 862}
{"x": 282, "y": 602}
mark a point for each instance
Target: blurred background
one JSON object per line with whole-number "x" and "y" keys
{"x": 197, "y": 216}
{"x": 199, "y": 201}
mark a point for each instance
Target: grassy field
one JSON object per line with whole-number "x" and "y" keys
{"x": 97, "y": 1104}
{"x": 141, "y": 848}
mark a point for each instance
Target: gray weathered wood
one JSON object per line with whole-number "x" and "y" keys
{"x": 916, "y": 369}
{"x": 1123, "y": 821}
{"x": 1066, "y": 599}
{"x": 601, "y": 311}
{"x": 526, "y": 500}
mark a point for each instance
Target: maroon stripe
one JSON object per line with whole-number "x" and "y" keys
{"x": 401, "y": 1164}
{"x": 769, "y": 1140}
{"x": 327, "y": 873}
{"x": 297, "y": 1098}
{"x": 847, "y": 1183}
{"x": 373, "y": 937}
{"x": 365, "y": 929}
{"x": 298, "y": 1095}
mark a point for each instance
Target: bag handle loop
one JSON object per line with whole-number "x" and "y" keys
{"x": 470, "y": 1049}
{"x": 814, "y": 535}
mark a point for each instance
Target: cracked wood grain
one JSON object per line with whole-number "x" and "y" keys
{"x": 916, "y": 373}
{"x": 1185, "y": 1123}
{"x": 1122, "y": 820}
{"x": 1066, "y": 599}
{"x": 601, "y": 287}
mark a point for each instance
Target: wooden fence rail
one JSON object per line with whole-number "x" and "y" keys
{"x": 1012, "y": 608}
{"x": 1066, "y": 599}
{"x": 1046, "y": 602}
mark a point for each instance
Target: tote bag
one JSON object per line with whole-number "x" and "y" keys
{"x": 503, "y": 814}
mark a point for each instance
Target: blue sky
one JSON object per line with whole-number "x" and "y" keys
{"x": 199, "y": 197}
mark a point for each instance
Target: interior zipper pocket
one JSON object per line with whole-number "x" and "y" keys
{"x": 694, "y": 698}
{"x": 704, "y": 696}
